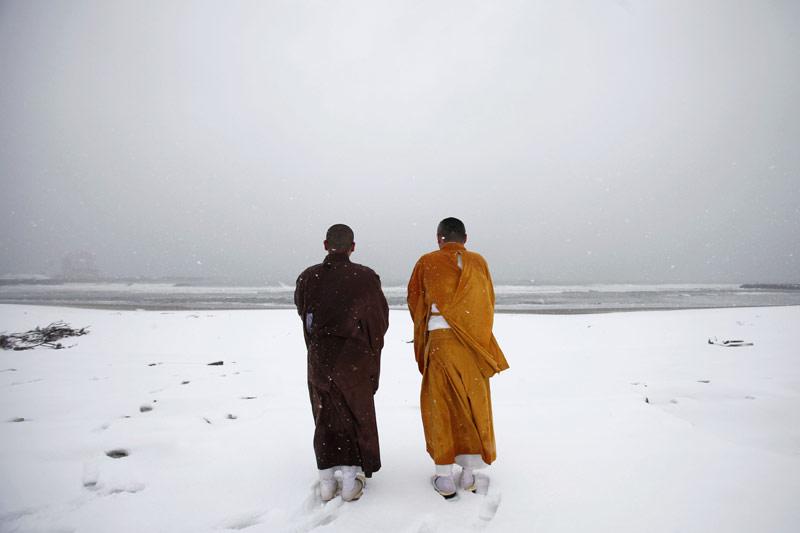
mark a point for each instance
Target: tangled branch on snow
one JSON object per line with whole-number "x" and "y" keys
{"x": 46, "y": 336}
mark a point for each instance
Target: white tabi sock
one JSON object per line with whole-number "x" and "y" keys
{"x": 327, "y": 473}
{"x": 467, "y": 480}
{"x": 349, "y": 474}
{"x": 443, "y": 482}
{"x": 352, "y": 483}
{"x": 473, "y": 461}
{"x": 327, "y": 484}
{"x": 444, "y": 470}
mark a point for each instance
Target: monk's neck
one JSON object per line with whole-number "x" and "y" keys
{"x": 452, "y": 246}
{"x": 337, "y": 257}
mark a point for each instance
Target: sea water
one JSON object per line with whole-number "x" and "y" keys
{"x": 529, "y": 298}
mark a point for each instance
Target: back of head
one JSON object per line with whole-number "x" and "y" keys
{"x": 452, "y": 230}
{"x": 340, "y": 238}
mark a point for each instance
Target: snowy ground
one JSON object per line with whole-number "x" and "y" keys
{"x": 717, "y": 448}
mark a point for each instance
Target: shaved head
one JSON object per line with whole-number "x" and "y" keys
{"x": 452, "y": 230}
{"x": 340, "y": 238}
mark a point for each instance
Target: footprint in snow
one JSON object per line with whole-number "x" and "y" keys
{"x": 91, "y": 481}
{"x": 16, "y": 520}
{"x": 426, "y": 524}
{"x": 242, "y": 521}
{"x": 91, "y": 475}
{"x": 130, "y": 487}
{"x": 315, "y": 513}
{"x": 18, "y": 383}
{"x": 489, "y": 507}
{"x": 481, "y": 484}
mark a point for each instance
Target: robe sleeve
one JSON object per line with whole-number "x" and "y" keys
{"x": 299, "y": 303}
{"x": 298, "y": 294}
{"x": 415, "y": 291}
{"x": 416, "y": 306}
{"x": 491, "y": 283}
{"x": 380, "y": 323}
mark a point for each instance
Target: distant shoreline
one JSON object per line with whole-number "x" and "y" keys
{"x": 195, "y": 284}
{"x": 516, "y": 299}
{"x": 772, "y": 286}
{"x": 565, "y": 311}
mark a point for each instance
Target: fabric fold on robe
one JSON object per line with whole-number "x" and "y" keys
{"x": 464, "y": 297}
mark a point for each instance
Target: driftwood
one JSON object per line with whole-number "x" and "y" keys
{"x": 47, "y": 336}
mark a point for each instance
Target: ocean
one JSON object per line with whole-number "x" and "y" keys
{"x": 552, "y": 299}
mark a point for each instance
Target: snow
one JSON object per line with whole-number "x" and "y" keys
{"x": 715, "y": 448}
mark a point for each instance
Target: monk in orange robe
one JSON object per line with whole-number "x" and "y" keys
{"x": 451, "y": 300}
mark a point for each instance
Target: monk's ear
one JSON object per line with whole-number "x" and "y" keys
{"x": 352, "y": 248}
{"x": 325, "y": 244}
{"x": 465, "y": 239}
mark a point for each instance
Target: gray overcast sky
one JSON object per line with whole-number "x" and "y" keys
{"x": 579, "y": 141}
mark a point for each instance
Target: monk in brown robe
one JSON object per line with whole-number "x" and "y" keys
{"x": 345, "y": 316}
{"x": 451, "y": 300}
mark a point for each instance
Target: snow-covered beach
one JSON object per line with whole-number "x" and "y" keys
{"x": 605, "y": 422}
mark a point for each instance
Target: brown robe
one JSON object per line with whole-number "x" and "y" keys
{"x": 455, "y": 363}
{"x": 345, "y": 317}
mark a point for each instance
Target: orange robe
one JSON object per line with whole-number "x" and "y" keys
{"x": 455, "y": 363}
